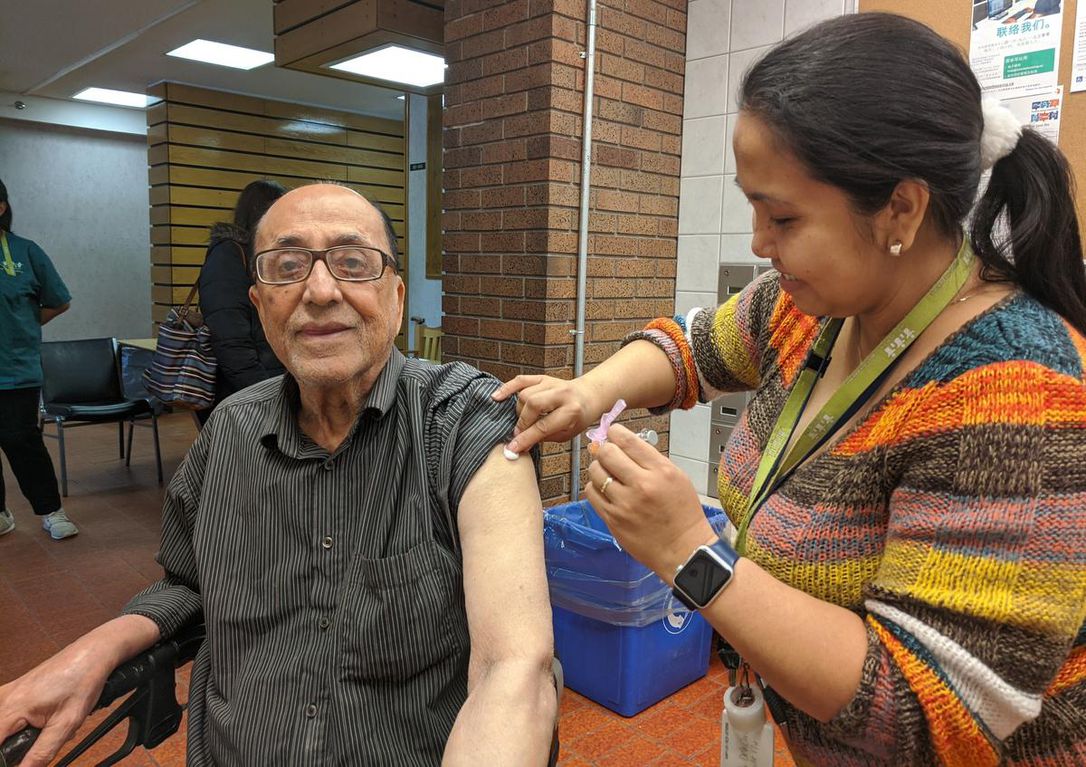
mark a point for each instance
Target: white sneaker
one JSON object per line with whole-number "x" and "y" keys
{"x": 7, "y": 522}
{"x": 58, "y": 525}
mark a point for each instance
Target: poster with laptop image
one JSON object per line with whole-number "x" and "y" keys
{"x": 1014, "y": 46}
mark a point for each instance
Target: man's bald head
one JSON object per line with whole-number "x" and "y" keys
{"x": 320, "y": 188}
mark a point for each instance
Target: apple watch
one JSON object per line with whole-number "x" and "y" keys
{"x": 704, "y": 575}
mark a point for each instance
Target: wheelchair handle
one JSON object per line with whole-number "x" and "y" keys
{"x": 14, "y": 748}
{"x": 129, "y": 676}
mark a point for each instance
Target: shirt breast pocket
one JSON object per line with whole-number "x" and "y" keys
{"x": 404, "y": 614}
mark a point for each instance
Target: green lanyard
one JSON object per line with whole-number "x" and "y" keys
{"x": 9, "y": 265}
{"x": 860, "y": 385}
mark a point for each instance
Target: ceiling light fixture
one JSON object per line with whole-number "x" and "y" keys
{"x": 222, "y": 54}
{"x": 397, "y": 64}
{"x": 109, "y": 96}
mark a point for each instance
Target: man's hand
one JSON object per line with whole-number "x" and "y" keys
{"x": 57, "y": 695}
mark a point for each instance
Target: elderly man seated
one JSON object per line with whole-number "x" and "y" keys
{"x": 369, "y": 566}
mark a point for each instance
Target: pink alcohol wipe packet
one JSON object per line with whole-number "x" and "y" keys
{"x": 598, "y": 434}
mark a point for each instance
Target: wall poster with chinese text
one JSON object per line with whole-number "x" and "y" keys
{"x": 1078, "y": 60}
{"x": 1041, "y": 111}
{"x": 1014, "y": 47}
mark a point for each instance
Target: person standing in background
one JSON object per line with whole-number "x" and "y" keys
{"x": 237, "y": 338}
{"x": 31, "y": 294}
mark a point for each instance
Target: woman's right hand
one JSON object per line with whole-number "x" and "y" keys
{"x": 550, "y": 409}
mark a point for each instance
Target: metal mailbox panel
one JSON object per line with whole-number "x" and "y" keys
{"x": 718, "y": 438}
{"x": 727, "y": 408}
{"x": 733, "y": 278}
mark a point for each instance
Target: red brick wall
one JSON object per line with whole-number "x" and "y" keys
{"x": 512, "y": 137}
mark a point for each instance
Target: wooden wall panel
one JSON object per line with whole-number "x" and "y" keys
{"x": 205, "y": 146}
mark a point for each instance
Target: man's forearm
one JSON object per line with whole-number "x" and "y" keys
{"x": 508, "y": 718}
{"x": 122, "y": 638}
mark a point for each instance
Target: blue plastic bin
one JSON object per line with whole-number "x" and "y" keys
{"x": 623, "y": 640}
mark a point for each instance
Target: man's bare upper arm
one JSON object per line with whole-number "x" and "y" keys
{"x": 505, "y": 580}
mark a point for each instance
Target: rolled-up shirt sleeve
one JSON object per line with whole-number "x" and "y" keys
{"x": 463, "y": 425}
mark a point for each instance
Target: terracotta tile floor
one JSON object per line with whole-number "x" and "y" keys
{"x": 51, "y": 592}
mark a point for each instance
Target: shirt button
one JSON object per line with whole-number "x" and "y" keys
{"x": 327, "y": 465}
{"x": 327, "y": 542}
{"x": 325, "y": 622}
{"x": 311, "y": 710}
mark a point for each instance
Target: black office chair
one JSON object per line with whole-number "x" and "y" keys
{"x": 81, "y": 385}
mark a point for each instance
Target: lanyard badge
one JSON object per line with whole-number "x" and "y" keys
{"x": 774, "y": 466}
{"x": 9, "y": 265}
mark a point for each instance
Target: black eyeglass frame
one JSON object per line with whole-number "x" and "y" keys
{"x": 321, "y": 254}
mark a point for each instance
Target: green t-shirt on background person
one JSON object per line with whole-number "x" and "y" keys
{"x": 28, "y": 283}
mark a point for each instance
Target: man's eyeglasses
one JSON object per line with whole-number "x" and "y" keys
{"x": 350, "y": 263}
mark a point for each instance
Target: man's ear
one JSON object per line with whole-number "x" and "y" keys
{"x": 901, "y": 218}
{"x": 401, "y": 294}
{"x": 254, "y": 296}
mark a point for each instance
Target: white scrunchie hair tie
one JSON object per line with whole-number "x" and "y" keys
{"x": 1001, "y": 132}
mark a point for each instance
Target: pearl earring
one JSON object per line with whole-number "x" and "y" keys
{"x": 895, "y": 249}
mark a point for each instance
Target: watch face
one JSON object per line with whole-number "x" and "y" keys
{"x": 702, "y": 577}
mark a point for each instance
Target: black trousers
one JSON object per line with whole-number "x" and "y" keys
{"x": 21, "y": 441}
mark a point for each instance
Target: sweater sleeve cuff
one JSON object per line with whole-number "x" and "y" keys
{"x": 668, "y": 336}
{"x": 850, "y": 721}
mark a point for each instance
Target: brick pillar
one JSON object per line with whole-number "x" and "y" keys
{"x": 512, "y": 140}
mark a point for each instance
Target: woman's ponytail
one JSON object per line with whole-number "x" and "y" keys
{"x": 1034, "y": 187}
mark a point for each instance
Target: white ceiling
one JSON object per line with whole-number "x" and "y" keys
{"x": 55, "y": 48}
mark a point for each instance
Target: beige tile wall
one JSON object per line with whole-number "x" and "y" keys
{"x": 723, "y": 38}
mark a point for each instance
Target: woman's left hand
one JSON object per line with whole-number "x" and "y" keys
{"x": 649, "y": 505}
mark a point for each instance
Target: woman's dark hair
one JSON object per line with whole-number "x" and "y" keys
{"x": 868, "y": 100}
{"x": 254, "y": 201}
{"x": 252, "y": 204}
{"x": 5, "y": 220}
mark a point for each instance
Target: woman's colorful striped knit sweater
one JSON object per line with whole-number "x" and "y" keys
{"x": 952, "y": 518}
